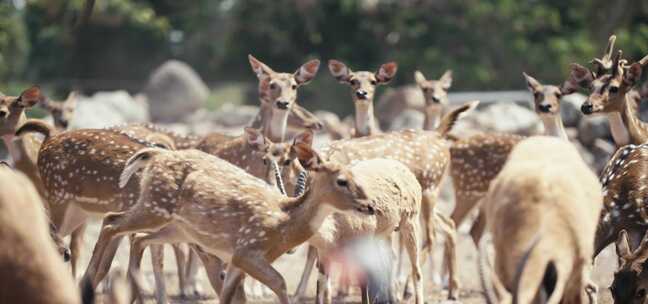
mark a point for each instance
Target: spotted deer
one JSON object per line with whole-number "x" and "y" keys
{"x": 542, "y": 222}
{"x": 80, "y": 169}
{"x": 231, "y": 214}
{"x": 611, "y": 85}
{"x": 278, "y": 95}
{"x": 32, "y": 271}
{"x": 630, "y": 284}
{"x": 363, "y": 87}
{"x": 435, "y": 93}
{"x": 62, "y": 112}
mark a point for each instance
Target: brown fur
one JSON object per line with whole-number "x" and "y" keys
{"x": 532, "y": 200}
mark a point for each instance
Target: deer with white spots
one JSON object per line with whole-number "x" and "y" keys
{"x": 363, "y": 88}
{"x": 278, "y": 96}
{"x": 32, "y": 271}
{"x": 543, "y": 223}
{"x": 233, "y": 215}
{"x": 610, "y": 86}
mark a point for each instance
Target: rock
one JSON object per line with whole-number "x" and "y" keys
{"x": 174, "y": 91}
{"x": 570, "y": 109}
{"x": 502, "y": 117}
{"x": 602, "y": 151}
{"x": 408, "y": 119}
{"x": 592, "y": 127}
{"x": 106, "y": 109}
{"x": 394, "y": 101}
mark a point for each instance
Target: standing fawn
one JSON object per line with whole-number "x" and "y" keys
{"x": 363, "y": 87}
{"x": 231, "y": 214}
{"x": 32, "y": 271}
{"x": 278, "y": 95}
{"x": 426, "y": 154}
{"x": 611, "y": 92}
{"x": 542, "y": 222}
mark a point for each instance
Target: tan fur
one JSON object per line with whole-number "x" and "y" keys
{"x": 532, "y": 200}
{"x": 363, "y": 87}
{"x": 612, "y": 93}
{"x": 232, "y": 214}
{"x": 32, "y": 271}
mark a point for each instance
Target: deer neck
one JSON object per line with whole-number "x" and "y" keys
{"x": 12, "y": 147}
{"x": 364, "y": 118}
{"x": 275, "y": 127}
{"x": 432, "y": 117}
{"x": 305, "y": 216}
{"x": 553, "y": 126}
{"x": 627, "y": 125}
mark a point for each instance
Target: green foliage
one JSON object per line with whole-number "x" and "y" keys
{"x": 488, "y": 43}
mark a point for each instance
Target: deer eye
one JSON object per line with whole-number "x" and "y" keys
{"x": 273, "y": 86}
{"x": 294, "y": 87}
{"x": 641, "y": 293}
{"x": 342, "y": 182}
{"x": 354, "y": 82}
{"x": 373, "y": 82}
{"x": 614, "y": 89}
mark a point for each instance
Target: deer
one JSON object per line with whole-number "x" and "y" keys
{"x": 62, "y": 112}
{"x": 231, "y": 214}
{"x": 542, "y": 224}
{"x": 278, "y": 95}
{"x": 33, "y": 271}
{"x": 630, "y": 282}
{"x": 612, "y": 93}
{"x": 363, "y": 87}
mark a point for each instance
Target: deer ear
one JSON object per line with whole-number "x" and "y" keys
{"x": 307, "y": 72}
{"x": 386, "y": 72}
{"x": 446, "y": 79}
{"x": 532, "y": 84}
{"x": 623, "y": 245}
{"x": 643, "y": 92}
{"x": 339, "y": 70}
{"x": 260, "y": 69}
{"x": 308, "y": 158}
{"x": 633, "y": 74}
{"x": 580, "y": 76}
{"x": 419, "y": 77}
{"x": 30, "y": 97}
{"x": 305, "y": 138}
{"x": 72, "y": 99}
{"x": 255, "y": 139}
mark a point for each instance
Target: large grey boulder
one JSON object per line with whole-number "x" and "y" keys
{"x": 570, "y": 109}
{"x": 408, "y": 119}
{"x": 104, "y": 109}
{"x": 175, "y": 91}
{"x": 591, "y": 128}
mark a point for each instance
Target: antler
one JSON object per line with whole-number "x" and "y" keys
{"x": 605, "y": 63}
{"x": 633, "y": 259}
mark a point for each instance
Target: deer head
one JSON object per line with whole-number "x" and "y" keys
{"x": 12, "y": 109}
{"x": 363, "y": 83}
{"x": 546, "y": 98}
{"x": 62, "y": 112}
{"x": 280, "y": 89}
{"x": 630, "y": 284}
{"x": 434, "y": 91}
{"x": 608, "y": 84}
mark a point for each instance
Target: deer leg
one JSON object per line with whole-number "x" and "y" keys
{"x": 300, "y": 293}
{"x": 323, "y": 291}
{"x": 258, "y": 267}
{"x": 233, "y": 279}
{"x": 157, "y": 260}
{"x": 448, "y": 228}
{"x": 115, "y": 225}
{"x": 428, "y": 204}
{"x": 215, "y": 269}
{"x": 191, "y": 274}
{"x": 76, "y": 247}
{"x": 478, "y": 227}
{"x": 464, "y": 203}
{"x": 181, "y": 266}
{"x": 410, "y": 235}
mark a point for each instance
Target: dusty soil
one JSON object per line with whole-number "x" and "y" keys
{"x": 291, "y": 267}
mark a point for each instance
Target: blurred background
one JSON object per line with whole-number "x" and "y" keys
{"x": 488, "y": 43}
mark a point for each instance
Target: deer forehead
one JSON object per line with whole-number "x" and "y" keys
{"x": 364, "y": 77}
{"x": 284, "y": 80}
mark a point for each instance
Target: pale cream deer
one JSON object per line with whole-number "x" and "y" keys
{"x": 32, "y": 271}
{"x": 543, "y": 223}
{"x": 363, "y": 88}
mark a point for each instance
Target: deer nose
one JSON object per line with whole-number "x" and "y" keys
{"x": 66, "y": 255}
{"x": 544, "y": 107}
{"x": 282, "y": 104}
{"x": 436, "y": 99}
{"x": 361, "y": 94}
{"x": 587, "y": 108}
{"x": 3, "y": 113}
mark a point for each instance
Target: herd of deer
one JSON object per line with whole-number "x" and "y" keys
{"x": 236, "y": 204}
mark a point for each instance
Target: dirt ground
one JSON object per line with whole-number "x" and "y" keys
{"x": 291, "y": 266}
